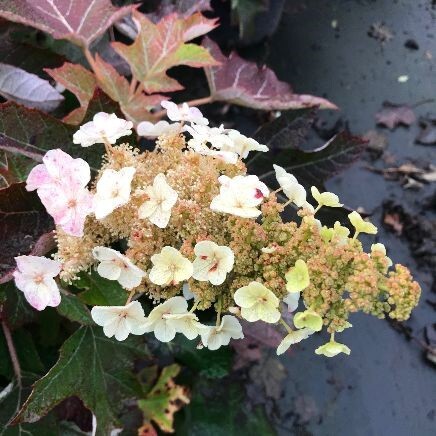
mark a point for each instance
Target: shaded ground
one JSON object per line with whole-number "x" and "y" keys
{"x": 386, "y": 387}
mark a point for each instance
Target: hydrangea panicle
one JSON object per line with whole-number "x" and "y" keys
{"x": 193, "y": 218}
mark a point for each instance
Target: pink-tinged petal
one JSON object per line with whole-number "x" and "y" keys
{"x": 37, "y": 177}
{"x": 58, "y": 163}
{"x": 38, "y": 296}
{"x": 68, "y": 205}
{"x": 31, "y": 265}
{"x": 65, "y": 169}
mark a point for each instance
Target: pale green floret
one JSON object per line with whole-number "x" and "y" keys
{"x": 257, "y": 303}
{"x": 340, "y": 232}
{"x": 293, "y": 338}
{"x": 308, "y": 319}
{"x": 361, "y": 225}
{"x": 297, "y": 278}
{"x": 325, "y": 198}
{"x": 326, "y": 233}
{"x": 332, "y": 349}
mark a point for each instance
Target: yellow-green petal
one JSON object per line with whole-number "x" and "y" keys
{"x": 332, "y": 349}
{"x": 308, "y": 319}
{"x": 297, "y": 278}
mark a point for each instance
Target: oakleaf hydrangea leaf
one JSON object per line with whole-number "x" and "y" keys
{"x": 80, "y": 21}
{"x": 28, "y": 89}
{"x": 32, "y": 133}
{"x": 161, "y": 46}
{"x": 89, "y": 367}
{"x": 80, "y": 81}
{"x": 241, "y": 82}
{"x": 135, "y": 107}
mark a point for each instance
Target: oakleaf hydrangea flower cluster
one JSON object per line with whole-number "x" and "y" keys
{"x": 197, "y": 227}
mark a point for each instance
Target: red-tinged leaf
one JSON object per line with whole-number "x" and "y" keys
{"x": 161, "y": 46}
{"x": 101, "y": 102}
{"x": 197, "y": 25}
{"x": 136, "y": 107}
{"x": 78, "y": 80}
{"x": 25, "y": 227}
{"x": 80, "y": 21}
{"x": 32, "y": 133}
{"x": 242, "y": 82}
{"x": 392, "y": 115}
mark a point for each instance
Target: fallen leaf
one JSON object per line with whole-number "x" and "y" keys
{"x": 25, "y": 227}
{"x": 377, "y": 142}
{"x": 80, "y": 21}
{"x": 427, "y": 134}
{"x": 380, "y": 32}
{"x": 147, "y": 429}
{"x": 269, "y": 374}
{"x": 159, "y": 47}
{"x": 164, "y": 399}
{"x": 78, "y": 80}
{"x": 28, "y": 89}
{"x": 242, "y": 82}
{"x": 394, "y": 221}
{"x": 392, "y": 115}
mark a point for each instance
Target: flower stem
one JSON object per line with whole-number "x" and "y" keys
{"x": 129, "y": 299}
{"x": 317, "y": 209}
{"x": 285, "y": 325}
{"x": 108, "y": 147}
{"x": 12, "y": 351}
{"x": 218, "y": 316}
{"x": 196, "y": 303}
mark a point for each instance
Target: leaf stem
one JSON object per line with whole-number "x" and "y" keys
{"x": 12, "y": 350}
{"x": 89, "y": 58}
